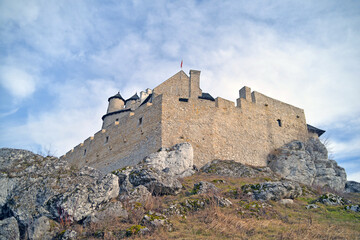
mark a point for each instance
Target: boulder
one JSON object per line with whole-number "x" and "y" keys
{"x": 230, "y": 168}
{"x": 85, "y": 197}
{"x": 176, "y": 161}
{"x": 354, "y": 208}
{"x": 9, "y": 229}
{"x": 37, "y": 186}
{"x": 111, "y": 210}
{"x": 139, "y": 194}
{"x": 286, "y": 201}
{"x": 155, "y": 220}
{"x": 204, "y": 187}
{"x": 69, "y": 235}
{"x": 307, "y": 163}
{"x": 352, "y": 187}
{"x": 312, "y": 206}
{"x": 221, "y": 201}
{"x": 332, "y": 200}
{"x": 157, "y": 182}
{"x": 273, "y": 190}
{"x": 43, "y": 228}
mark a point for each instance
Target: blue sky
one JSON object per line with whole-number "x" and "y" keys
{"x": 61, "y": 60}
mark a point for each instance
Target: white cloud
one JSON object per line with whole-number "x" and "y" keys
{"x": 18, "y": 82}
{"x": 8, "y": 113}
{"x": 354, "y": 176}
{"x": 304, "y": 54}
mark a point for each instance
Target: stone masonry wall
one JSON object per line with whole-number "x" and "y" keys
{"x": 125, "y": 142}
{"x": 177, "y": 85}
{"x": 219, "y": 130}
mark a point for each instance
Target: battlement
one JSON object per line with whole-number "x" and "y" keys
{"x": 178, "y": 111}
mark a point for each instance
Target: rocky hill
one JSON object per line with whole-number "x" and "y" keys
{"x": 299, "y": 195}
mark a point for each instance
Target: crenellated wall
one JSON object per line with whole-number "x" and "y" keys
{"x": 124, "y": 142}
{"x": 220, "y": 130}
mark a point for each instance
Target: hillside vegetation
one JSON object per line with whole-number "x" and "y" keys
{"x": 300, "y": 195}
{"x": 244, "y": 219}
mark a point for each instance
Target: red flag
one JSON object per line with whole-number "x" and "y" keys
{"x": 181, "y": 64}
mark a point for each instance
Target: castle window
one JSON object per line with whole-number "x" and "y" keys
{"x": 117, "y": 119}
{"x": 107, "y": 139}
{"x": 140, "y": 121}
{"x": 183, "y": 100}
{"x": 84, "y": 152}
{"x": 279, "y": 122}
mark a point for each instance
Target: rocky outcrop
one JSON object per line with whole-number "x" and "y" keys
{"x": 108, "y": 211}
{"x": 273, "y": 190}
{"x": 307, "y": 163}
{"x": 9, "y": 229}
{"x": 352, "y": 187}
{"x": 231, "y": 168}
{"x": 332, "y": 199}
{"x": 154, "y": 220}
{"x": 157, "y": 182}
{"x": 204, "y": 187}
{"x": 43, "y": 228}
{"x": 159, "y": 173}
{"x": 37, "y": 190}
{"x": 176, "y": 161}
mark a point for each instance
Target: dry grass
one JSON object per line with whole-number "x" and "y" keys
{"x": 240, "y": 221}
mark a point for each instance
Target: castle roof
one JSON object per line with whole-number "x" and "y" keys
{"x": 148, "y": 99}
{"x": 116, "y": 96}
{"x": 313, "y": 129}
{"x": 206, "y": 96}
{"x": 116, "y": 112}
{"x": 134, "y": 97}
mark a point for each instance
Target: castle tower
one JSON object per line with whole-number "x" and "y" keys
{"x": 116, "y": 103}
{"x": 129, "y": 102}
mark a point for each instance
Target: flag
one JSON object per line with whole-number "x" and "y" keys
{"x": 181, "y": 64}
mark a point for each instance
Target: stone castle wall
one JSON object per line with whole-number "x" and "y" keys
{"x": 123, "y": 143}
{"x": 218, "y": 129}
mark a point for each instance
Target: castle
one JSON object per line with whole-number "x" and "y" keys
{"x": 178, "y": 111}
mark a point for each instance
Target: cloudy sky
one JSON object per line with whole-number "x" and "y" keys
{"x": 61, "y": 60}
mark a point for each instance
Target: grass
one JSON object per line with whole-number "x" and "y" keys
{"x": 245, "y": 219}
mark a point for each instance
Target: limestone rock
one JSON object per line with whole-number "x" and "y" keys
{"x": 352, "y": 187}
{"x": 43, "y": 228}
{"x": 332, "y": 199}
{"x": 307, "y": 163}
{"x": 354, "y": 208}
{"x": 286, "y": 201}
{"x": 69, "y": 235}
{"x": 273, "y": 190}
{"x": 37, "y": 186}
{"x": 9, "y": 229}
{"x": 139, "y": 194}
{"x": 176, "y": 161}
{"x": 203, "y": 187}
{"x": 155, "y": 220}
{"x": 221, "y": 201}
{"x": 235, "y": 169}
{"x": 124, "y": 183}
{"x": 86, "y": 197}
{"x": 109, "y": 211}
{"x": 311, "y": 206}
{"x": 157, "y": 182}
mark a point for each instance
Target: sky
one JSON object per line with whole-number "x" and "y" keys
{"x": 61, "y": 60}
